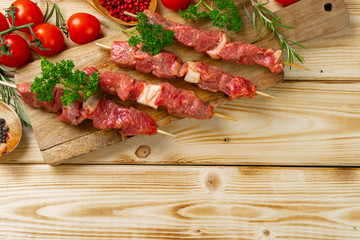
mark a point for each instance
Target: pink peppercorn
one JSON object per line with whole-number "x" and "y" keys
{"x": 117, "y": 8}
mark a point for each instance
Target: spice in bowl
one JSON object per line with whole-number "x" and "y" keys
{"x": 3, "y": 131}
{"x": 116, "y": 8}
{"x": 10, "y": 129}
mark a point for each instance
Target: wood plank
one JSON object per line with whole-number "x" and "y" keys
{"x": 139, "y": 202}
{"x": 323, "y": 53}
{"x": 324, "y": 58}
{"x": 334, "y": 56}
{"x": 313, "y": 124}
{"x": 67, "y": 142}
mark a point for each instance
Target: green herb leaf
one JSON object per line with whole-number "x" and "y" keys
{"x": 59, "y": 19}
{"x": 77, "y": 85}
{"x": 271, "y": 22}
{"x": 11, "y": 97}
{"x": 226, "y": 14}
{"x": 153, "y": 37}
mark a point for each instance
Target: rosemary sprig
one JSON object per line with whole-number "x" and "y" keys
{"x": 272, "y": 22}
{"x": 11, "y": 97}
{"x": 60, "y": 21}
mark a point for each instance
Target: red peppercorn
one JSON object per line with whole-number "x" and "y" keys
{"x": 116, "y": 8}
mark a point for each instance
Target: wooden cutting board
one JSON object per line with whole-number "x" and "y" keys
{"x": 60, "y": 141}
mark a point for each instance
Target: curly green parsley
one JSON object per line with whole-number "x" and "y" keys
{"x": 153, "y": 37}
{"x": 77, "y": 85}
{"x": 226, "y": 14}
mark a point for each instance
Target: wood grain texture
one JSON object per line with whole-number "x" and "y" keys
{"x": 66, "y": 142}
{"x": 333, "y": 56}
{"x": 312, "y": 124}
{"x": 142, "y": 202}
{"x": 336, "y": 54}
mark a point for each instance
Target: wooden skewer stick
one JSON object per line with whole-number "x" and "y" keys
{"x": 224, "y": 116}
{"x": 295, "y": 65}
{"x": 284, "y": 62}
{"x": 8, "y": 84}
{"x": 102, "y": 45}
{"x": 165, "y": 133}
{"x": 215, "y": 114}
{"x": 130, "y": 14}
{"x": 14, "y": 86}
{"x": 266, "y": 95}
{"x": 257, "y": 92}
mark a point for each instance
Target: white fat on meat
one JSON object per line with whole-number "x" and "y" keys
{"x": 278, "y": 55}
{"x": 192, "y": 75}
{"x": 213, "y": 53}
{"x": 149, "y": 95}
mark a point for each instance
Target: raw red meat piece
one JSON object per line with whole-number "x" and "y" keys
{"x": 104, "y": 113}
{"x": 212, "y": 78}
{"x": 208, "y": 42}
{"x": 178, "y": 102}
{"x": 163, "y": 65}
{"x": 183, "y": 103}
{"x": 129, "y": 121}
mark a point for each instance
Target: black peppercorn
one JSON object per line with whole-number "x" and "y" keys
{"x": 3, "y": 130}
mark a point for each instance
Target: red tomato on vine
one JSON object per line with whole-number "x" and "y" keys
{"x": 51, "y": 38}
{"x": 4, "y": 25}
{"x": 19, "y": 50}
{"x": 26, "y": 12}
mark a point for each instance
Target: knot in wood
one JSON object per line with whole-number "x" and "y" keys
{"x": 266, "y": 232}
{"x": 143, "y": 151}
{"x": 227, "y": 139}
{"x": 212, "y": 181}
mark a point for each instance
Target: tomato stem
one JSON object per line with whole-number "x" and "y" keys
{"x": 13, "y": 28}
{"x": 5, "y": 48}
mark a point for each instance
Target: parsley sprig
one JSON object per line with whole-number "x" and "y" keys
{"x": 153, "y": 37}
{"x": 77, "y": 85}
{"x": 225, "y": 14}
{"x": 271, "y": 22}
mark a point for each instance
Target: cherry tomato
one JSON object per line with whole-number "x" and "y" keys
{"x": 51, "y": 38}
{"x": 175, "y": 5}
{"x": 83, "y": 28}
{"x": 27, "y": 12}
{"x": 19, "y": 50}
{"x": 3, "y": 23}
{"x": 286, "y": 2}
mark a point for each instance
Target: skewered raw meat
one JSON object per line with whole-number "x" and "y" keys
{"x": 168, "y": 65}
{"x": 217, "y": 45}
{"x": 104, "y": 113}
{"x": 163, "y": 65}
{"x": 178, "y": 102}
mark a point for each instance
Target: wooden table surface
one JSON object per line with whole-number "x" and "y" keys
{"x": 287, "y": 169}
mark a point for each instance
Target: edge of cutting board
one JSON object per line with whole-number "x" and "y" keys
{"x": 311, "y": 21}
